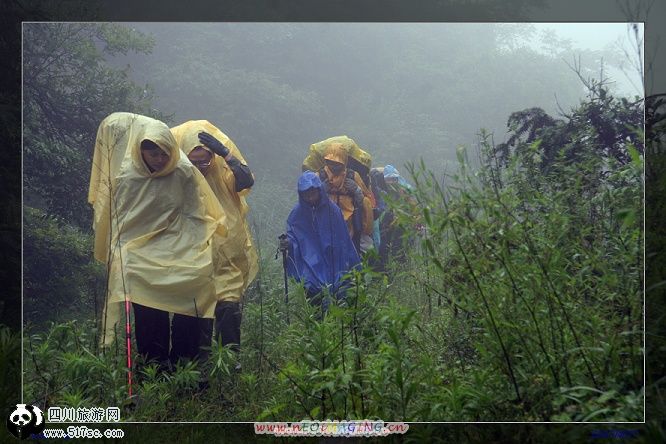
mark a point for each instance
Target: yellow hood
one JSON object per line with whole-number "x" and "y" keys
{"x": 336, "y": 153}
{"x": 315, "y": 158}
{"x": 235, "y": 258}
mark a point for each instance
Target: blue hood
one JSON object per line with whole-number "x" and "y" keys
{"x": 390, "y": 172}
{"x": 309, "y": 180}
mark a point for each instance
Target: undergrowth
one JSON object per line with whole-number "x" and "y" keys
{"x": 520, "y": 300}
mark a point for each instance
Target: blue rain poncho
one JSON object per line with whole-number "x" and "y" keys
{"x": 320, "y": 249}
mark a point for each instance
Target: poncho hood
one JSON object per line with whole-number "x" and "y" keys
{"x": 309, "y": 180}
{"x": 336, "y": 153}
{"x": 390, "y": 172}
{"x": 235, "y": 257}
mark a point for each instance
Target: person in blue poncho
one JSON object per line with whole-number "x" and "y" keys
{"x": 320, "y": 250}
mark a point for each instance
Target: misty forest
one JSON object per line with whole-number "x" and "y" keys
{"x": 518, "y": 298}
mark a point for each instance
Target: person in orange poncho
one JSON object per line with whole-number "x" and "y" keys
{"x": 347, "y": 190}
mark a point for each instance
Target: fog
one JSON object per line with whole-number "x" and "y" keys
{"x": 404, "y": 92}
{"x": 615, "y": 42}
{"x": 400, "y": 90}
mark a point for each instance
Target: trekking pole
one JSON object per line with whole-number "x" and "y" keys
{"x": 128, "y": 336}
{"x": 282, "y": 249}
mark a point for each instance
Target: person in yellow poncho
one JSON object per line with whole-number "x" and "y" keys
{"x": 154, "y": 218}
{"x": 346, "y": 188}
{"x": 226, "y": 171}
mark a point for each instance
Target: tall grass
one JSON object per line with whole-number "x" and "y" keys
{"x": 521, "y": 300}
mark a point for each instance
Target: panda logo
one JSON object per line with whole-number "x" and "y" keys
{"x": 25, "y": 420}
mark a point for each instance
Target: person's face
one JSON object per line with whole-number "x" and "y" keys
{"x": 155, "y": 158}
{"x": 311, "y": 196}
{"x": 201, "y": 159}
{"x": 335, "y": 167}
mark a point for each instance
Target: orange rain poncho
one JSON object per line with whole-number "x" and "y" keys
{"x": 336, "y": 193}
{"x": 235, "y": 258}
{"x": 153, "y": 230}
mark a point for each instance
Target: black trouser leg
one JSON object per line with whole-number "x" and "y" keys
{"x": 151, "y": 327}
{"x": 205, "y": 337}
{"x": 188, "y": 335}
{"x": 227, "y": 323}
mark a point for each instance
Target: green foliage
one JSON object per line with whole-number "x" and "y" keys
{"x": 10, "y": 370}
{"x": 68, "y": 88}
{"x": 60, "y": 278}
{"x": 589, "y": 404}
{"x": 602, "y": 125}
{"x": 10, "y": 364}
{"x": 521, "y": 300}
{"x": 185, "y": 377}
{"x": 655, "y": 293}
{"x": 66, "y": 368}
{"x": 549, "y": 262}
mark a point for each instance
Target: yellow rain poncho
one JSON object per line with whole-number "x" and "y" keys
{"x": 153, "y": 230}
{"x": 359, "y": 160}
{"x": 235, "y": 257}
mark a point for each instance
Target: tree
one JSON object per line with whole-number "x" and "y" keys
{"x": 68, "y": 89}
{"x": 602, "y": 126}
